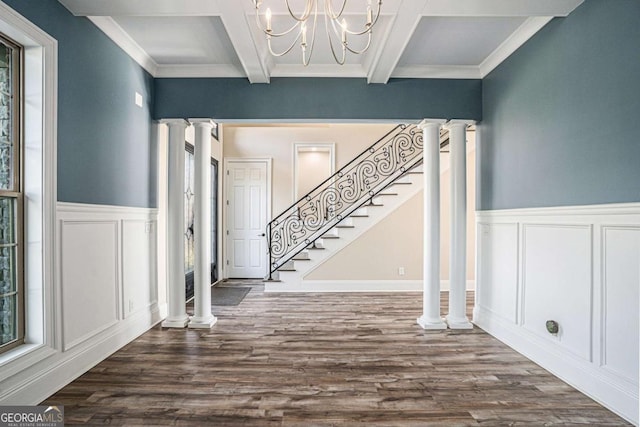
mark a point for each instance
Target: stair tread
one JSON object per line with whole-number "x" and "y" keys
{"x": 316, "y": 249}
{"x": 401, "y": 183}
{"x": 345, "y": 226}
{"x": 359, "y": 215}
{"x": 329, "y": 236}
{"x": 287, "y": 269}
{"x": 387, "y": 194}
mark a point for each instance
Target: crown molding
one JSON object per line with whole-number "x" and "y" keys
{"x": 120, "y": 37}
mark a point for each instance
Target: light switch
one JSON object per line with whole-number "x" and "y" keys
{"x": 139, "y": 99}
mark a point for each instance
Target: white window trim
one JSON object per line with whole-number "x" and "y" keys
{"x": 39, "y": 147}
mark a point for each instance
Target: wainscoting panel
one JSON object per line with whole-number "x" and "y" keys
{"x": 556, "y": 284}
{"x": 620, "y": 278}
{"x": 579, "y": 266}
{"x": 90, "y": 279}
{"x": 138, "y": 273}
{"x": 499, "y": 248}
{"x": 105, "y": 288}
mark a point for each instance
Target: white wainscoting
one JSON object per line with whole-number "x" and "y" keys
{"x": 106, "y": 286}
{"x": 579, "y": 266}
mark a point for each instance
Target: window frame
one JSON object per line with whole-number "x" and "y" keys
{"x": 43, "y": 319}
{"x": 17, "y": 191}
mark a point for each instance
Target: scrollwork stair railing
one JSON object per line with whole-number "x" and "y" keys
{"x": 341, "y": 194}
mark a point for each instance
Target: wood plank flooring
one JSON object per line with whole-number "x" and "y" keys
{"x": 323, "y": 359}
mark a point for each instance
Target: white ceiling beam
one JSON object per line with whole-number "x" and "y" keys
{"x": 199, "y": 70}
{"x": 318, "y": 70}
{"x": 143, "y": 7}
{"x": 499, "y": 8}
{"x": 437, "y": 72}
{"x": 241, "y": 33}
{"x": 395, "y": 41}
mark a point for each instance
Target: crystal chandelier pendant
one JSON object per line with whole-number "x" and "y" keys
{"x": 336, "y": 28}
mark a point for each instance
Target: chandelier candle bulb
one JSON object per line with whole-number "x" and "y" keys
{"x": 369, "y": 16}
{"x": 344, "y": 31}
{"x": 268, "y": 15}
{"x": 304, "y": 35}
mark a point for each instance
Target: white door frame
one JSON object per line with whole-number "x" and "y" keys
{"x": 225, "y": 200}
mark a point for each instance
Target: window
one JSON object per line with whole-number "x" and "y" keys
{"x": 189, "y": 245}
{"x": 189, "y": 240}
{"x": 11, "y": 197}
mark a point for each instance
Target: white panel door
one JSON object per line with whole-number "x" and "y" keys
{"x": 247, "y": 219}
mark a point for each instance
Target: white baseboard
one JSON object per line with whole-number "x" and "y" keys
{"x": 355, "y": 286}
{"x": 67, "y": 368}
{"x": 582, "y": 375}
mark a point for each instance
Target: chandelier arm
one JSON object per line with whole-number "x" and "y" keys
{"x": 285, "y": 51}
{"x": 306, "y": 61}
{"x": 271, "y": 33}
{"x": 333, "y": 51}
{"x": 305, "y": 14}
{"x": 363, "y": 50}
{"x": 329, "y": 9}
{"x": 368, "y": 28}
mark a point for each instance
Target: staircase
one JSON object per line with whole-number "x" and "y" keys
{"x": 343, "y": 207}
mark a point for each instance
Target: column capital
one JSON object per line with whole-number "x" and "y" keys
{"x": 204, "y": 122}
{"x": 174, "y": 122}
{"x": 425, "y": 123}
{"x": 459, "y": 122}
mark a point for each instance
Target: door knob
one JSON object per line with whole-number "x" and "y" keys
{"x": 262, "y": 235}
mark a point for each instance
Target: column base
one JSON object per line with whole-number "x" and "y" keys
{"x": 459, "y": 323}
{"x": 202, "y": 322}
{"x": 175, "y": 322}
{"x": 429, "y": 324}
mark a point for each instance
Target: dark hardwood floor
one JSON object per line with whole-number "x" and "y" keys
{"x": 323, "y": 359}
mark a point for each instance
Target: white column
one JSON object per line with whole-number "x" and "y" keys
{"x": 202, "y": 317}
{"x": 177, "y": 313}
{"x": 457, "y": 318}
{"x": 430, "y": 318}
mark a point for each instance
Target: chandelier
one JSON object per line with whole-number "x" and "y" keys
{"x": 335, "y": 24}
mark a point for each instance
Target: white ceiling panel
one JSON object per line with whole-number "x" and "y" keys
{"x": 457, "y": 41}
{"x": 197, "y": 40}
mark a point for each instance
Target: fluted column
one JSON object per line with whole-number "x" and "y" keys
{"x": 177, "y": 314}
{"x": 430, "y": 318}
{"x": 202, "y": 317}
{"x": 457, "y": 318}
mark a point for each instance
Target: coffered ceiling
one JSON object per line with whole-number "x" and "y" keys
{"x": 413, "y": 38}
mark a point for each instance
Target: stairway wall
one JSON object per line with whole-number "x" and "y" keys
{"x": 396, "y": 241}
{"x": 276, "y": 142}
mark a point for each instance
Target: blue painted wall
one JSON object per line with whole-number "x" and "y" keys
{"x": 560, "y": 115}
{"x": 318, "y": 99}
{"x": 105, "y": 152}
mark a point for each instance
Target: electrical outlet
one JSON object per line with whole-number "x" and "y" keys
{"x": 138, "y": 99}
{"x": 400, "y": 271}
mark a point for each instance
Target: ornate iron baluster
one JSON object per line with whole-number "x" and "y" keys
{"x": 341, "y": 194}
